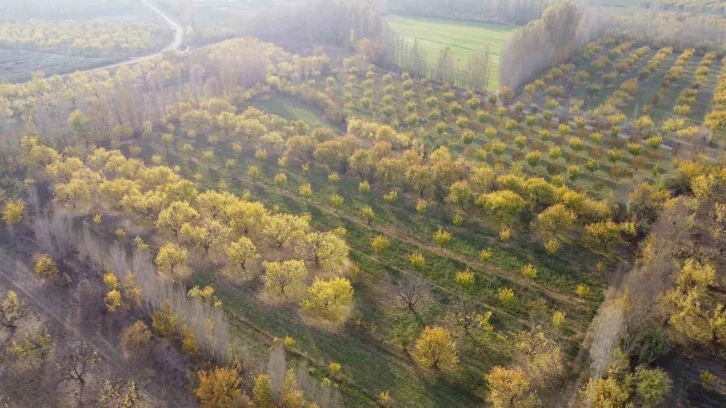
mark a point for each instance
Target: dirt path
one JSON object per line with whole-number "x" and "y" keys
{"x": 178, "y": 30}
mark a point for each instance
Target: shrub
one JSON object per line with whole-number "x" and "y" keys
{"x": 135, "y": 336}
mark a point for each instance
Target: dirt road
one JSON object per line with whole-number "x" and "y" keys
{"x": 175, "y": 44}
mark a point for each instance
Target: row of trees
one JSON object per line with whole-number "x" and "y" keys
{"x": 693, "y": 6}
{"x": 716, "y": 119}
{"x": 409, "y": 55}
{"x": 565, "y": 27}
{"x": 543, "y": 43}
{"x": 516, "y": 12}
{"x": 678, "y": 30}
{"x": 134, "y": 99}
{"x": 335, "y": 22}
{"x": 218, "y": 224}
{"x": 467, "y": 117}
{"x": 611, "y": 109}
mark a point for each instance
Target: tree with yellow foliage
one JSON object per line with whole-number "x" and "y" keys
{"x": 442, "y": 238}
{"x": 380, "y": 243}
{"x": 330, "y": 300}
{"x": 207, "y": 234}
{"x": 621, "y": 387}
{"x": 13, "y": 212}
{"x": 368, "y": 213}
{"x": 212, "y": 204}
{"x": 12, "y": 309}
{"x": 220, "y": 388}
{"x": 246, "y": 218}
{"x": 284, "y": 279}
{"x": 190, "y": 346}
{"x": 264, "y": 395}
{"x": 281, "y": 229}
{"x": 113, "y": 297}
{"x": 436, "y": 349}
{"x": 538, "y": 354}
{"x": 45, "y": 267}
{"x": 690, "y": 313}
{"x": 175, "y": 216}
{"x": 165, "y": 321}
{"x": 605, "y": 236}
{"x": 556, "y": 220}
{"x": 510, "y": 388}
{"x": 73, "y": 192}
{"x": 135, "y": 336}
{"x": 291, "y": 395}
{"x": 239, "y": 254}
{"x": 172, "y": 260}
{"x": 506, "y": 205}
{"x": 326, "y": 250}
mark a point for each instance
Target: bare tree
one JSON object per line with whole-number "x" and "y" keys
{"x": 41, "y": 231}
{"x": 34, "y": 198}
{"x": 93, "y": 248}
{"x": 324, "y": 394}
{"x": 119, "y": 261}
{"x": 54, "y": 233}
{"x": 80, "y": 361}
{"x": 606, "y": 331}
{"x": 411, "y": 291}
{"x": 61, "y": 227}
{"x": 195, "y": 315}
{"x": 277, "y": 367}
{"x": 465, "y": 313}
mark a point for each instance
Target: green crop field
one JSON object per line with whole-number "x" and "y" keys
{"x": 463, "y": 38}
{"x": 289, "y": 110}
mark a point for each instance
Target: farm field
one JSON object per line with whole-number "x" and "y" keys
{"x": 461, "y": 37}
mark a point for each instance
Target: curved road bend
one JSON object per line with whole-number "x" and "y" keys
{"x": 174, "y": 44}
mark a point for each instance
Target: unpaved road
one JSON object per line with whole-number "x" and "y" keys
{"x": 178, "y": 30}
{"x": 175, "y": 44}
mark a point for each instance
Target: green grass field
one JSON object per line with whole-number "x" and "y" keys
{"x": 462, "y": 37}
{"x": 291, "y": 111}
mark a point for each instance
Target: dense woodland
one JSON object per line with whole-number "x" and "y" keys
{"x": 170, "y": 239}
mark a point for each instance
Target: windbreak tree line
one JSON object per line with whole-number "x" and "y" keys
{"x": 410, "y": 56}
{"x": 499, "y": 11}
